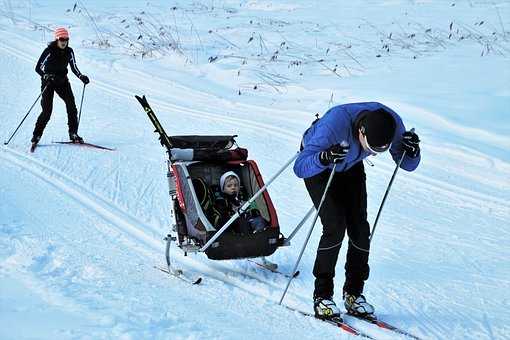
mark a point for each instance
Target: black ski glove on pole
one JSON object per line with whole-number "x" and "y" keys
{"x": 335, "y": 154}
{"x": 411, "y": 143}
{"x": 84, "y": 79}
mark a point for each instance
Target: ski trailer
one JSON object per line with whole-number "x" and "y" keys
{"x": 195, "y": 165}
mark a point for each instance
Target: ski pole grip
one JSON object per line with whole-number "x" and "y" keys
{"x": 404, "y": 153}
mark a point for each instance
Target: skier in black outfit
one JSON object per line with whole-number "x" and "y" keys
{"x": 345, "y": 136}
{"x": 52, "y": 67}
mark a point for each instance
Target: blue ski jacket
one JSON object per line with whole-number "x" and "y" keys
{"x": 338, "y": 125}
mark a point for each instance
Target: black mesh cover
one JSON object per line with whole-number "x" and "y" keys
{"x": 203, "y": 142}
{"x": 239, "y": 154}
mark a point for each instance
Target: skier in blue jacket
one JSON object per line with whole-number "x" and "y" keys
{"x": 344, "y": 136}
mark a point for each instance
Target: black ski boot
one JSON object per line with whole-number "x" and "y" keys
{"x": 325, "y": 308}
{"x": 35, "y": 139}
{"x": 75, "y": 138}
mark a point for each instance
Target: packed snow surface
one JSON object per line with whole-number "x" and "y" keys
{"x": 81, "y": 229}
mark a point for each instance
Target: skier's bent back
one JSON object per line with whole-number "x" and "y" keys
{"x": 52, "y": 67}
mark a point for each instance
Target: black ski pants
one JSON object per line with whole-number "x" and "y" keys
{"x": 63, "y": 89}
{"x": 344, "y": 209}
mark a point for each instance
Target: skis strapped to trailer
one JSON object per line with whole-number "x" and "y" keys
{"x": 163, "y": 137}
{"x": 90, "y": 145}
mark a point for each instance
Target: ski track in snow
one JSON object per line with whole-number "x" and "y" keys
{"x": 97, "y": 284}
{"x": 132, "y": 237}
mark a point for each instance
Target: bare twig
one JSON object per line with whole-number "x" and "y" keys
{"x": 500, "y": 21}
{"x": 96, "y": 28}
{"x": 225, "y": 39}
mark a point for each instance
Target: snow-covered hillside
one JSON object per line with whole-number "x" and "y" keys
{"x": 81, "y": 229}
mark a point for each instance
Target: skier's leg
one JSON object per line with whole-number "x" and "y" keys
{"x": 358, "y": 229}
{"x": 66, "y": 93}
{"x": 47, "y": 107}
{"x": 333, "y": 223}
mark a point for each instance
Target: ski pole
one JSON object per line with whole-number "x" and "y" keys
{"x": 31, "y": 107}
{"x": 386, "y": 194}
{"x": 330, "y": 179}
{"x": 81, "y": 104}
{"x": 300, "y": 224}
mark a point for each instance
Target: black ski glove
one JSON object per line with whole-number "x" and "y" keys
{"x": 411, "y": 143}
{"x": 335, "y": 154}
{"x": 48, "y": 77}
{"x": 84, "y": 79}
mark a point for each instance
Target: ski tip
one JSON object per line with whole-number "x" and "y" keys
{"x": 142, "y": 100}
{"x": 197, "y": 281}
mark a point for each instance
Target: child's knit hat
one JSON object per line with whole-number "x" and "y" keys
{"x": 225, "y": 176}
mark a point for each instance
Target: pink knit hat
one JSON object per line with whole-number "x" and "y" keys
{"x": 61, "y": 32}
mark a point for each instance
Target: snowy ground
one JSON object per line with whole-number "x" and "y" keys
{"x": 81, "y": 229}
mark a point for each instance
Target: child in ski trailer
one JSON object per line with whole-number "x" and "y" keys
{"x": 228, "y": 202}
{"x": 52, "y": 67}
{"x": 344, "y": 136}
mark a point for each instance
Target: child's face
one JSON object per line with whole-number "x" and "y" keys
{"x": 231, "y": 186}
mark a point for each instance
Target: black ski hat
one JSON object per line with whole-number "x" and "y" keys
{"x": 379, "y": 128}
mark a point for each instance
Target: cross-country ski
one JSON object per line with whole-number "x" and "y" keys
{"x": 86, "y": 144}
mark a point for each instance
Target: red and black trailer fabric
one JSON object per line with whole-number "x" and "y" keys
{"x": 229, "y": 245}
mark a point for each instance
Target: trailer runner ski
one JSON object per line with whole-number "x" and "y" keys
{"x": 272, "y": 269}
{"x": 180, "y": 275}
